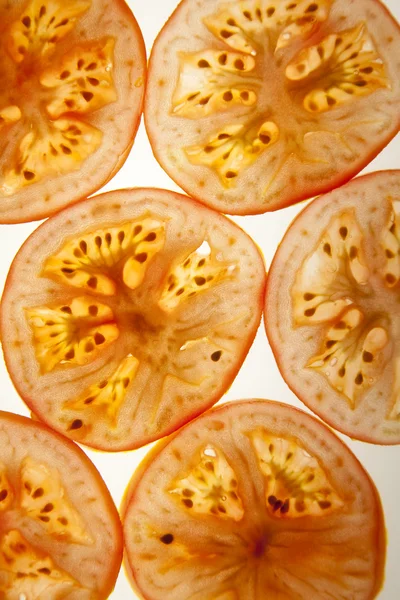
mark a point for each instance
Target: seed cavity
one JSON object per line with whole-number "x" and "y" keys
{"x": 44, "y": 498}
{"x": 195, "y": 274}
{"x": 295, "y": 482}
{"x": 108, "y": 395}
{"x": 331, "y": 74}
{"x": 58, "y": 336}
{"x": 236, "y": 152}
{"x": 208, "y": 488}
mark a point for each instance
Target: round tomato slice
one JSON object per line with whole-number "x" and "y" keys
{"x": 128, "y": 314}
{"x": 60, "y": 533}
{"x": 254, "y": 500}
{"x": 332, "y": 308}
{"x": 71, "y": 95}
{"x": 254, "y": 105}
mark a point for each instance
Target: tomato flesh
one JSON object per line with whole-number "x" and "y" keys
{"x": 269, "y": 102}
{"x": 255, "y": 499}
{"x": 70, "y": 103}
{"x": 138, "y": 311}
{"x": 332, "y": 308}
{"x": 60, "y": 534}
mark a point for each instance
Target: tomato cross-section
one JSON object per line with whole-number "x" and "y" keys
{"x": 254, "y": 500}
{"x": 60, "y": 533}
{"x": 253, "y": 105}
{"x": 332, "y": 308}
{"x": 128, "y": 314}
{"x": 71, "y": 93}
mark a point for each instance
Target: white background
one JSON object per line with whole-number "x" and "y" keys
{"x": 259, "y": 376}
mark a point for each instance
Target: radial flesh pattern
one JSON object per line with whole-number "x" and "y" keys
{"x": 138, "y": 311}
{"x": 268, "y": 102}
{"x": 254, "y": 500}
{"x": 60, "y": 533}
{"x": 71, "y": 91}
{"x": 336, "y": 339}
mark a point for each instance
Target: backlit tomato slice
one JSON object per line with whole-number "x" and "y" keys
{"x": 253, "y": 105}
{"x": 254, "y": 500}
{"x": 128, "y": 314}
{"x": 332, "y": 310}
{"x": 60, "y": 534}
{"x": 71, "y": 94}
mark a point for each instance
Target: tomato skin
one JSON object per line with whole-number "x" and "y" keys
{"x": 130, "y": 498}
{"x": 115, "y": 559}
{"x": 295, "y": 384}
{"x": 216, "y": 196}
{"x": 81, "y": 183}
{"x": 227, "y": 376}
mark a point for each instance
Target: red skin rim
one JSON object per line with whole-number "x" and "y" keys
{"x": 274, "y": 346}
{"x": 105, "y": 494}
{"x": 323, "y": 189}
{"x": 129, "y": 495}
{"x": 229, "y": 376}
{"x": 135, "y": 126}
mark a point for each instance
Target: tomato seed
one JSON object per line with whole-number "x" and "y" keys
{"x": 38, "y": 493}
{"x": 368, "y": 357}
{"x": 29, "y": 175}
{"x": 359, "y": 379}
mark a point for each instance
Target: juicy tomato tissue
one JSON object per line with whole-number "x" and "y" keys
{"x": 126, "y": 315}
{"x": 254, "y": 500}
{"x": 255, "y": 105}
{"x": 332, "y": 307}
{"x": 60, "y": 533}
{"x": 71, "y": 92}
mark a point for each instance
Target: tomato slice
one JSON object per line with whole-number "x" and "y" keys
{"x": 254, "y": 500}
{"x": 60, "y": 533}
{"x": 254, "y": 105}
{"x": 128, "y": 314}
{"x": 332, "y": 308}
{"x": 71, "y": 95}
